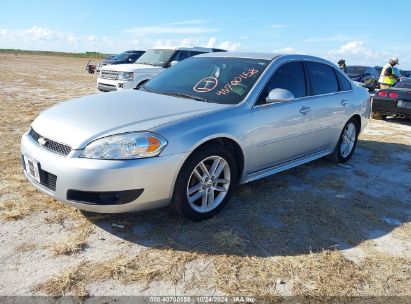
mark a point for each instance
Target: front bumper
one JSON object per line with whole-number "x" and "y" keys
{"x": 390, "y": 107}
{"x": 107, "y": 85}
{"x": 155, "y": 175}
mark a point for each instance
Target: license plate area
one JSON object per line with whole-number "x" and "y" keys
{"x": 32, "y": 168}
{"x": 404, "y": 104}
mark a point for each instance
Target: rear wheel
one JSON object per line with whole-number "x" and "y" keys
{"x": 346, "y": 143}
{"x": 205, "y": 183}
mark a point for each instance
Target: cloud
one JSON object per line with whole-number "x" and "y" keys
{"x": 286, "y": 50}
{"x": 226, "y": 45}
{"x": 170, "y": 30}
{"x": 358, "y": 52}
{"x": 277, "y": 26}
{"x": 40, "y": 38}
{"x": 356, "y": 48}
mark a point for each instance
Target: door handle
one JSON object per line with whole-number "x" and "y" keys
{"x": 344, "y": 102}
{"x": 304, "y": 110}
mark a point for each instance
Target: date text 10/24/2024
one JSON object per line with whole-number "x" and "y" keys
{"x": 202, "y": 299}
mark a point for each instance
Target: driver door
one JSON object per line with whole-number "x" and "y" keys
{"x": 283, "y": 130}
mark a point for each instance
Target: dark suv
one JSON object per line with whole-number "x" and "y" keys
{"x": 125, "y": 57}
{"x": 368, "y": 76}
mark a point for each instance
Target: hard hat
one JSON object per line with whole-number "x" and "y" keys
{"x": 394, "y": 59}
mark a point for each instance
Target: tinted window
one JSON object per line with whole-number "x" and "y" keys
{"x": 343, "y": 83}
{"x": 289, "y": 76}
{"x": 406, "y": 84}
{"x": 181, "y": 55}
{"x": 322, "y": 78}
{"x": 156, "y": 57}
{"x": 213, "y": 79}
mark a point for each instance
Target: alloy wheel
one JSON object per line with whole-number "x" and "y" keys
{"x": 208, "y": 184}
{"x": 348, "y": 139}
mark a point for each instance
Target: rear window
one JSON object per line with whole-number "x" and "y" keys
{"x": 343, "y": 83}
{"x": 322, "y": 78}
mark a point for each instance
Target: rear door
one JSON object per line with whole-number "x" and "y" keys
{"x": 330, "y": 94}
{"x": 282, "y": 131}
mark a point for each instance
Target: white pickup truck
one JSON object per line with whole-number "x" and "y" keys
{"x": 150, "y": 64}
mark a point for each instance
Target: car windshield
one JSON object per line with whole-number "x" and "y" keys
{"x": 213, "y": 79}
{"x": 403, "y": 84}
{"x": 156, "y": 57}
{"x": 122, "y": 56}
{"x": 355, "y": 70}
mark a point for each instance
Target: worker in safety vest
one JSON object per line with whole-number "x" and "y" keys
{"x": 388, "y": 77}
{"x": 342, "y": 66}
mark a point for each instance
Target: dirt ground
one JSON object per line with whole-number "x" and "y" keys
{"x": 318, "y": 230}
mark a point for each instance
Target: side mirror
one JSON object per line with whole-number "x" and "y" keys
{"x": 174, "y": 62}
{"x": 279, "y": 95}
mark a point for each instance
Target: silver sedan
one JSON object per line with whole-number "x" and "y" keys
{"x": 189, "y": 136}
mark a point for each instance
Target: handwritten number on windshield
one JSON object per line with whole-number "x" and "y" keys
{"x": 236, "y": 81}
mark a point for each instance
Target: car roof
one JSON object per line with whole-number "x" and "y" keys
{"x": 267, "y": 56}
{"x": 184, "y": 48}
{"x": 254, "y": 55}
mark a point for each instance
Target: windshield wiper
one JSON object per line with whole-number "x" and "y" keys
{"x": 146, "y": 63}
{"x": 144, "y": 87}
{"x": 183, "y": 95}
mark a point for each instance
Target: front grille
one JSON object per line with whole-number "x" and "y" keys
{"x": 109, "y": 74}
{"x": 48, "y": 179}
{"x": 50, "y": 144}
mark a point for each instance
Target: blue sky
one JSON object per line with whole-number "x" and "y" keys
{"x": 353, "y": 30}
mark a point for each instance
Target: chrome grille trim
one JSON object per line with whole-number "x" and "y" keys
{"x": 50, "y": 145}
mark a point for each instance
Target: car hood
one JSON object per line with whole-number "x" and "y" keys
{"x": 131, "y": 67}
{"x": 79, "y": 121}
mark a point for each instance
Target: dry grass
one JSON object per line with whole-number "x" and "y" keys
{"x": 75, "y": 243}
{"x": 25, "y": 247}
{"x": 326, "y": 273}
{"x": 149, "y": 266}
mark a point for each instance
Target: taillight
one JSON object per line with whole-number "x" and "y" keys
{"x": 382, "y": 93}
{"x": 393, "y": 95}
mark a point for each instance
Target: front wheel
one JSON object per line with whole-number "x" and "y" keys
{"x": 205, "y": 183}
{"x": 346, "y": 143}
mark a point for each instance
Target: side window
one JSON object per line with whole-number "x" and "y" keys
{"x": 134, "y": 57}
{"x": 181, "y": 55}
{"x": 343, "y": 83}
{"x": 322, "y": 78}
{"x": 289, "y": 76}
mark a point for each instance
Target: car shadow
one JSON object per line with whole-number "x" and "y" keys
{"x": 310, "y": 208}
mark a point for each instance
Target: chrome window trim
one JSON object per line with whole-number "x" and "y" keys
{"x": 272, "y": 70}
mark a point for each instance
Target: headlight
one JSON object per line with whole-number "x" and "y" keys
{"x": 125, "y": 76}
{"x": 125, "y": 146}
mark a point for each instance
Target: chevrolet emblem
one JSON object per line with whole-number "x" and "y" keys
{"x": 42, "y": 141}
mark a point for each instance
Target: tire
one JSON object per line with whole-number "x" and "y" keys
{"x": 185, "y": 203}
{"x": 340, "y": 153}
